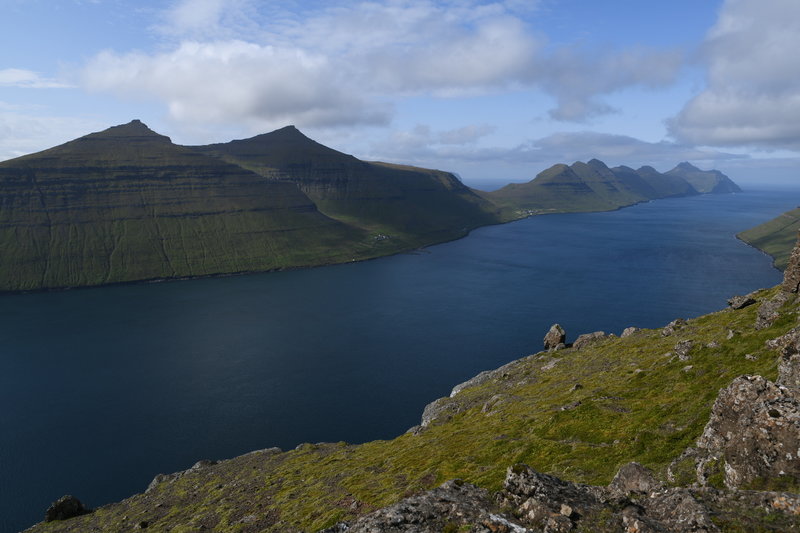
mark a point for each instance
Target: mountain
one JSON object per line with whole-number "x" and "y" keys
{"x": 590, "y": 186}
{"x": 775, "y": 237}
{"x": 127, "y": 204}
{"x": 413, "y": 206}
{"x": 704, "y": 181}
{"x": 691, "y": 427}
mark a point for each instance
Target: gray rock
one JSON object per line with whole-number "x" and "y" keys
{"x": 588, "y": 338}
{"x": 674, "y": 326}
{"x": 627, "y": 332}
{"x": 683, "y": 348}
{"x": 555, "y": 336}
{"x": 634, "y": 477}
{"x": 740, "y": 302}
{"x": 753, "y": 433}
{"x": 768, "y": 311}
{"x": 788, "y": 346}
{"x": 791, "y": 276}
{"x": 65, "y": 507}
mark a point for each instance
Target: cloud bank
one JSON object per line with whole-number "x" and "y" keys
{"x": 752, "y": 97}
{"x": 344, "y": 63}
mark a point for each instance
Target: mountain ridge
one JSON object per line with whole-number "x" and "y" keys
{"x": 127, "y": 204}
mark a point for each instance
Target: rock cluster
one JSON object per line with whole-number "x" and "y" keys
{"x": 531, "y": 501}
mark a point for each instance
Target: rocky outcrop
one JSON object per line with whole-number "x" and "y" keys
{"x": 740, "y": 302}
{"x": 65, "y": 507}
{"x": 791, "y": 276}
{"x": 531, "y": 501}
{"x": 588, "y": 338}
{"x": 555, "y": 338}
{"x": 673, "y": 327}
{"x": 753, "y": 435}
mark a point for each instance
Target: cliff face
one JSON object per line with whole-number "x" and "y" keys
{"x": 704, "y": 407}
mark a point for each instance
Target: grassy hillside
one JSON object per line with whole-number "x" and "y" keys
{"x": 775, "y": 237}
{"x": 126, "y": 204}
{"x": 411, "y": 206}
{"x": 579, "y": 414}
{"x": 588, "y": 186}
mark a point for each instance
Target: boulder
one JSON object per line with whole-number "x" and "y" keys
{"x": 627, "y": 332}
{"x": 588, "y": 338}
{"x": 740, "y": 302}
{"x": 634, "y": 477}
{"x": 65, "y": 507}
{"x": 753, "y": 434}
{"x": 555, "y": 336}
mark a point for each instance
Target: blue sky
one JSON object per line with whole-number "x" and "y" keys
{"x": 495, "y": 91}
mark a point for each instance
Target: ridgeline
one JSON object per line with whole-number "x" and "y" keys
{"x": 126, "y": 204}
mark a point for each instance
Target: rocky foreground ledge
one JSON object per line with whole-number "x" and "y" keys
{"x": 698, "y": 424}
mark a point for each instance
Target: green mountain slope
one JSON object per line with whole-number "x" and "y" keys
{"x": 126, "y": 204}
{"x": 579, "y": 413}
{"x": 411, "y": 206}
{"x": 775, "y": 237}
{"x": 588, "y": 186}
{"x": 704, "y": 181}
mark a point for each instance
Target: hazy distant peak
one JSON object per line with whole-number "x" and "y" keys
{"x": 687, "y": 166}
{"x": 596, "y": 163}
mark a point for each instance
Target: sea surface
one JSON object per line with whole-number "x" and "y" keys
{"x": 101, "y": 389}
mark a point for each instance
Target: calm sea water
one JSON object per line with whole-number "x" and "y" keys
{"x": 103, "y": 388}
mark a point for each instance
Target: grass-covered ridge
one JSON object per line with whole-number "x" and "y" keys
{"x": 126, "y": 204}
{"x": 579, "y": 414}
{"x": 775, "y": 237}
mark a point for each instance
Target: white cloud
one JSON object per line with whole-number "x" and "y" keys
{"x": 577, "y": 78}
{"x": 232, "y": 81}
{"x": 345, "y": 63}
{"x": 752, "y": 97}
{"x": 28, "y": 79}
{"x": 424, "y": 147}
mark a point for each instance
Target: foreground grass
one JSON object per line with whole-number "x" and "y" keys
{"x": 579, "y": 414}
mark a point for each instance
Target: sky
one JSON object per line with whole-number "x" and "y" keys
{"x": 495, "y": 91}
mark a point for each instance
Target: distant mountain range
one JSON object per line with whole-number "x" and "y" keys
{"x": 593, "y": 186}
{"x": 126, "y": 204}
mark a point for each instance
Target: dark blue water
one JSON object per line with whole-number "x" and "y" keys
{"x": 103, "y": 388}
